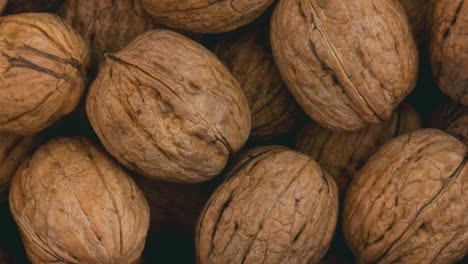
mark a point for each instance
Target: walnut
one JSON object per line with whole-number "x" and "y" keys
{"x": 168, "y": 109}
{"x": 73, "y": 204}
{"x": 416, "y": 11}
{"x": 206, "y": 16}
{"x": 278, "y": 206}
{"x": 408, "y": 204}
{"x": 248, "y": 56}
{"x": 26, "y": 6}
{"x": 42, "y": 64}
{"x": 448, "y": 21}
{"x": 348, "y": 63}
{"x": 342, "y": 154}
{"x": 453, "y": 118}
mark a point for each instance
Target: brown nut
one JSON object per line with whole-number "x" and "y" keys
{"x": 453, "y": 118}
{"x": 342, "y": 154}
{"x": 168, "y": 109}
{"x": 348, "y": 63}
{"x": 206, "y": 16}
{"x": 26, "y": 6}
{"x": 279, "y": 206}
{"x": 42, "y": 64}
{"x": 248, "y": 56}
{"x": 408, "y": 204}
{"x": 416, "y": 11}
{"x": 73, "y": 204}
{"x": 448, "y": 21}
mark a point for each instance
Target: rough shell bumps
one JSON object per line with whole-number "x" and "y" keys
{"x": 348, "y": 63}
{"x": 42, "y": 64}
{"x": 342, "y": 154}
{"x": 168, "y": 109}
{"x": 449, "y": 47}
{"x": 278, "y": 206}
{"x": 453, "y": 118}
{"x": 408, "y": 204}
{"x": 73, "y": 204}
{"x": 206, "y": 16}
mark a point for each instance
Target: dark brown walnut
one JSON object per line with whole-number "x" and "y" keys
{"x": 348, "y": 63}
{"x": 73, "y": 204}
{"x": 416, "y": 11}
{"x": 26, "y": 6}
{"x": 248, "y": 56}
{"x": 408, "y": 204}
{"x": 42, "y": 64}
{"x": 206, "y": 16}
{"x": 278, "y": 206}
{"x": 168, "y": 109}
{"x": 453, "y": 118}
{"x": 448, "y": 21}
{"x": 342, "y": 154}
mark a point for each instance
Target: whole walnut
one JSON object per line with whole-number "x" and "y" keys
{"x": 342, "y": 154}
{"x": 278, "y": 206}
{"x": 42, "y": 69}
{"x": 448, "y": 21}
{"x": 206, "y": 16}
{"x": 348, "y": 63}
{"x": 248, "y": 56}
{"x": 408, "y": 204}
{"x": 453, "y": 118}
{"x": 416, "y": 11}
{"x": 73, "y": 204}
{"x": 26, "y": 6}
{"x": 168, "y": 109}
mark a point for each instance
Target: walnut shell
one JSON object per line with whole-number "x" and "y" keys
{"x": 408, "y": 204}
{"x": 42, "y": 64}
{"x": 248, "y": 56}
{"x": 73, "y": 204}
{"x": 453, "y": 118}
{"x": 449, "y": 47}
{"x": 168, "y": 109}
{"x": 416, "y": 12}
{"x": 279, "y": 206}
{"x": 342, "y": 154}
{"x": 348, "y": 63}
{"x": 206, "y": 16}
{"x": 26, "y": 6}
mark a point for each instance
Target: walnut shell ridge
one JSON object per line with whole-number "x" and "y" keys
{"x": 73, "y": 204}
{"x": 42, "y": 69}
{"x": 448, "y": 50}
{"x": 408, "y": 204}
{"x": 278, "y": 206}
{"x": 168, "y": 109}
{"x": 342, "y": 154}
{"x": 206, "y": 16}
{"x": 453, "y": 118}
{"x": 347, "y": 63}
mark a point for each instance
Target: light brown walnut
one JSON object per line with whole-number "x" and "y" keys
{"x": 408, "y": 204}
{"x": 277, "y": 206}
{"x": 28, "y": 6}
{"x": 168, "y": 109}
{"x": 453, "y": 118}
{"x": 73, "y": 204}
{"x": 42, "y": 69}
{"x": 348, "y": 63}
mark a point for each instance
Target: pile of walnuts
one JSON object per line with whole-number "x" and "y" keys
{"x": 290, "y": 131}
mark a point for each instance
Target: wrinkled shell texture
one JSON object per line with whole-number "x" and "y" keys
{"x": 278, "y": 206}
{"x": 73, "y": 204}
{"x": 408, "y": 204}
{"x": 13, "y": 150}
{"x": 453, "y": 118}
{"x": 342, "y": 154}
{"x": 25, "y": 6}
{"x": 248, "y": 56}
{"x": 42, "y": 64}
{"x": 348, "y": 63}
{"x": 449, "y": 47}
{"x": 206, "y": 16}
{"x": 106, "y": 25}
{"x": 416, "y": 11}
{"x": 168, "y": 109}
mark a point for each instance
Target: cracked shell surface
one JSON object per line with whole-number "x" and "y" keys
{"x": 342, "y": 154}
{"x": 448, "y": 51}
{"x": 453, "y": 118}
{"x": 73, "y": 204}
{"x": 168, "y": 109}
{"x": 25, "y": 6}
{"x": 248, "y": 56}
{"x": 278, "y": 206}
{"x": 206, "y": 16}
{"x": 347, "y": 63}
{"x": 416, "y": 11}
{"x": 42, "y": 64}
{"x": 408, "y": 204}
